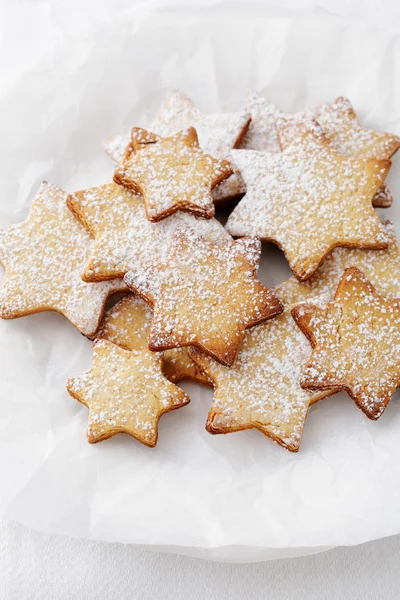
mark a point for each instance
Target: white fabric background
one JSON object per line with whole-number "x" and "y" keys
{"x": 33, "y": 565}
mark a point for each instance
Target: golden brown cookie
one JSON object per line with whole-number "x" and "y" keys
{"x": 125, "y": 392}
{"x": 127, "y": 324}
{"x": 172, "y": 174}
{"x": 309, "y": 199}
{"x": 43, "y": 259}
{"x": 218, "y": 134}
{"x": 205, "y": 295}
{"x": 381, "y": 267}
{"x": 124, "y": 239}
{"x": 341, "y": 125}
{"x": 262, "y": 390}
{"x": 356, "y": 343}
{"x": 339, "y": 122}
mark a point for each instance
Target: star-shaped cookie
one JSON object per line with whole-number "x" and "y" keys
{"x": 43, "y": 259}
{"x": 339, "y": 122}
{"x": 309, "y": 199}
{"x": 127, "y": 324}
{"x": 124, "y": 239}
{"x": 341, "y": 125}
{"x": 262, "y": 390}
{"x": 381, "y": 267}
{"x": 218, "y": 134}
{"x": 356, "y": 343}
{"x": 205, "y": 295}
{"x": 125, "y": 392}
{"x": 171, "y": 174}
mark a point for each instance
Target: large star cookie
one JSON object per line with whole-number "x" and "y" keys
{"x": 124, "y": 239}
{"x": 127, "y": 324}
{"x": 43, "y": 259}
{"x": 262, "y": 390}
{"x": 356, "y": 343}
{"x": 172, "y": 174}
{"x": 218, "y": 134}
{"x": 339, "y": 123}
{"x": 125, "y": 392}
{"x": 205, "y": 295}
{"x": 381, "y": 267}
{"x": 309, "y": 199}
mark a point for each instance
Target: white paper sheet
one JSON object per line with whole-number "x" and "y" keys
{"x": 237, "y": 497}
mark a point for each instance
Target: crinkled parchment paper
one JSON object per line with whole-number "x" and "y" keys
{"x": 237, "y": 497}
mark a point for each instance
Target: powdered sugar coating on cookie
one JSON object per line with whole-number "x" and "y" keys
{"x": 205, "y": 295}
{"x": 172, "y": 174}
{"x": 44, "y": 258}
{"x": 262, "y": 133}
{"x": 124, "y": 239}
{"x": 125, "y": 392}
{"x": 381, "y": 267}
{"x": 262, "y": 388}
{"x": 339, "y": 122}
{"x": 127, "y": 324}
{"x": 218, "y": 134}
{"x": 309, "y": 199}
{"x": 356, "y": 343}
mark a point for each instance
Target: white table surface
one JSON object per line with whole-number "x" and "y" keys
{"x": 38, "y": 566}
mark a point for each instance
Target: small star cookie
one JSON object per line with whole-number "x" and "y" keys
{"x": 124, "y": 239}
{"x": 309, "y": 199}
{"x": 171, "y": 174}
{"x": 339, "y": 122}
{"x": 262, "y": 390}
{"x": 356, "y": 343}
{"x": 125, "y": 392}
{"x": 218, "y": 134}
{"x": 381, "y": 267}
{"x": 43, "y": 259}
{"x": 205, "y": 295}
{"x": 127, "y": 324}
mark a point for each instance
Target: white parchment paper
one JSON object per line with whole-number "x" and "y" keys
{"x": 237, "y": 497}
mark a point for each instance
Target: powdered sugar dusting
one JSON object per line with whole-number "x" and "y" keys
{"x": 124, "y": 239}
{"x": 172, "y": 174}
{"x": 44, "y": 258}
{"x": 308, "y": 199}
{"x": 205, "y": 294}
{"x": 218, "y": 134}
{"x": 127, "y": 324}
{"x": 262, "y": 133}
{"x": 381, "y": 267}
{"x": 356, "y": 341}
{"x": 262, "y": 387}
{"x": 339, "y": 122}
{"x": 125, "y": 392}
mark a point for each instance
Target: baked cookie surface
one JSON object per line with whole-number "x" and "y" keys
{"x": 205, "y": 294}
{"x": 125, "y": 392}
{"x": 356, "y": 343}
{"x": 43, "y": 259}
{"x": 309, "y": 199}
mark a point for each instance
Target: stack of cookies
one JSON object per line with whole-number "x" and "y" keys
{"x": 192, "y": 306}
